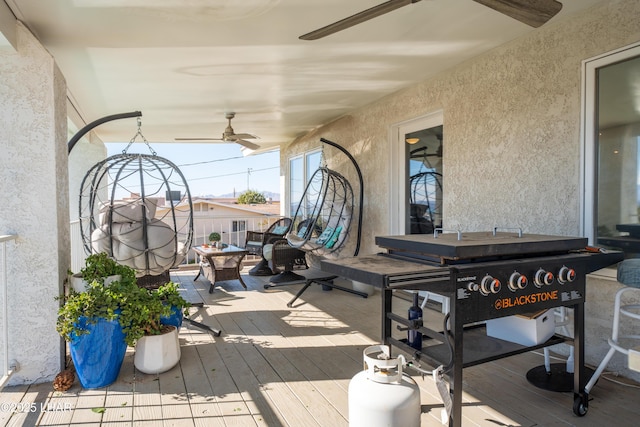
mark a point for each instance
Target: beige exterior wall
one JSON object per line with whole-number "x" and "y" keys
{"x": 511, "y": 129}
{"x": 511, "y": 136}
{"x": 33, "y": 171}
{"x": 217, "y": 217}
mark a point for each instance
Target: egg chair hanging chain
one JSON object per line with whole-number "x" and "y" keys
{"x": 139, "y": 133}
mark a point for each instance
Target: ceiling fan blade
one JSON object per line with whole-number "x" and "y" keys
{"x": 247, "y": 144}
{"x": 356, "y": 19}
{"x": 198, "y": 139}
{"x": 531, "y": 12}
{"x": 237, "y": 136}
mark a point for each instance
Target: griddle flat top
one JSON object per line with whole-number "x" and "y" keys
{"x": 473, "y": 245}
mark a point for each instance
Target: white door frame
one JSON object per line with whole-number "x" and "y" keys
{"x": 587, "y": 133}
{"x": 398, "y": 166}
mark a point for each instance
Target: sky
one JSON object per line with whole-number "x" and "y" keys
{"x": 215, "y": 169}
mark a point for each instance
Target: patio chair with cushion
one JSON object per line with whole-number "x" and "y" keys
{"x": 256, "y": 241}
{"x": 283, "y": 259}
{"x": 323, "y": 223}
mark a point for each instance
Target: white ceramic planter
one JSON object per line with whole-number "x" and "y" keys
{"x": 80, "y": 285}
{"x": 157, "y": 353}
{"x": 77, "y": 283}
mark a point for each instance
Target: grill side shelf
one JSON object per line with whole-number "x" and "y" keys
{"x": 381, "y": 271}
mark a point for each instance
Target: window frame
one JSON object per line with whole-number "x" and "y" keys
{"x": 588, "y": 128}
{"x": 306, "y": 174}
{"x": 398, "y": 186}
{"x": 238, "y": 225}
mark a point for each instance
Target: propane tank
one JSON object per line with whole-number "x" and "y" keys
{"x": 381, "y": 395}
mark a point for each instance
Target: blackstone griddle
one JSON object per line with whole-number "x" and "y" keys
{"x": 485, "y": 275}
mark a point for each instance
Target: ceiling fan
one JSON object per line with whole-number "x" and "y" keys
{"x": 531, "y": 12}
{"x": 229, "y": 136}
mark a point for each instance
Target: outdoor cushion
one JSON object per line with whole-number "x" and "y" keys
{"x": 281, "y": 229}
{"x": 127, "y": 246}
{"x": 629, "y": 272}
{"x": 267, "y": 251}
{"x": 127, "y": 211}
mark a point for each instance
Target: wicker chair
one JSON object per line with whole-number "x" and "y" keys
{"x": 256, "y": 240}
{"x": 282, "y": 258}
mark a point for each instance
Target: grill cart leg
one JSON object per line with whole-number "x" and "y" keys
{"x": 580, "y": 395}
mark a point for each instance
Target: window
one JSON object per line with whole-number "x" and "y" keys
{"x": 424, "y": 203}
{"x": 416, "y": 201}
{"x": 612, "y": 151}
{"x": 301, "y": 168}
{"x": 239, "y": 225}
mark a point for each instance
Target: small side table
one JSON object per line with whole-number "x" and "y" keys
{"x": 220, "y": 264}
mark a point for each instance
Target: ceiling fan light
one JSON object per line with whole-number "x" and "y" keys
{"x": 412, "y": 141}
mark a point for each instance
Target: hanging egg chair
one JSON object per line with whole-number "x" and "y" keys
{"x": 323, "y": 216}
{"x": 137, "y": 208}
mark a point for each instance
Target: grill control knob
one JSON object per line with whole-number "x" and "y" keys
{"x": 517, "y": 281}
{"x": 566, "y": 274}
{"x": 489, "y": 285}
{"x": 473, "y": 287}
{"x": 542, "y": 278}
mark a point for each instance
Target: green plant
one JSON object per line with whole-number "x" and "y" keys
{"x": 98, "y": 266}
{"x": 251, "y": 197}
{"x": 99, "y": 301}
{"x": 145, "y": 308}
{"x": 169, "y": 294}
{"x": 215, "y": 237}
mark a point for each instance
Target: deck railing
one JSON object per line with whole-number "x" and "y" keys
{"x": 8, "y": 367}
{"x": 232, "y": 229}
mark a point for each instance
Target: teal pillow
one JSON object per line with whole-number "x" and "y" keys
{"x": 280, "y": 230}
{"x": 324, "y": 237}
{"x": 334, "y": 238}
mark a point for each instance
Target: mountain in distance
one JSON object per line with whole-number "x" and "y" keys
{"x": 267, "y": 194}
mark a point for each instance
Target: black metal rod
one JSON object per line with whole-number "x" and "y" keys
{"x": 88, "y": 127}
{"x": 360, "y": 208}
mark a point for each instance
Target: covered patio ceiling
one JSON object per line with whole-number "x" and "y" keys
{"x": 185, "y": 64}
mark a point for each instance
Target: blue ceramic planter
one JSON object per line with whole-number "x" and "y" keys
{"x": 98, "y": 355}
{"x": 175, "y": 319}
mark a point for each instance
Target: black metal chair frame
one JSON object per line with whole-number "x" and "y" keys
{"x": 151, "y": 175}
{"x": 265, "y": 237}
{"x": 327, "y": 282}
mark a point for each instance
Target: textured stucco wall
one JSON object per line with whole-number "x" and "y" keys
{"x": 511, "y": 128}
{"x": 34, "y": 202}
{"x": 511, "y": 133}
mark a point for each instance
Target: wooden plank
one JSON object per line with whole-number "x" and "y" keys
{"x": 268, "y": 384}
{"x": 280, "y": 366}
{"x": 236, "y": 390}
{"x": 288, "y": 372}
{"x": 147, "y": 403}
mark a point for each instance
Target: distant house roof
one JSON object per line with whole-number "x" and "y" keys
{"x": 272, "y": 208}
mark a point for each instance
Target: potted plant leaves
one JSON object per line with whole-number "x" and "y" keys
{"x": 170, "y": 295}
{"x": 96, "y": 324}
{"x": 214, "y": 238}
{"x": 156, "y": 333}
{"x": 99, "y": 267}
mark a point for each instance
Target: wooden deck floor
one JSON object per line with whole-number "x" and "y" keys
{"x": 279, "y": 366}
